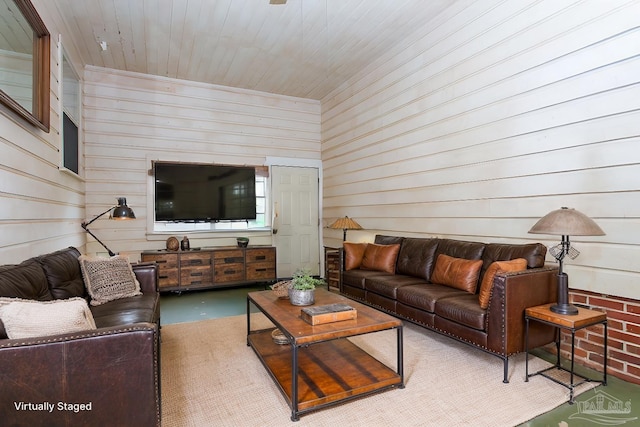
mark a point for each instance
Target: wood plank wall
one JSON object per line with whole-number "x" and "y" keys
{"x": 43, "y": 206}
{"x": 132, "y": 119}
{"x": 500, "y": 113}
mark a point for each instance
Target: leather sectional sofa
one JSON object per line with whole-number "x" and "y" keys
{"x": 405, "y": 287}
{"x": 103, "y": 376}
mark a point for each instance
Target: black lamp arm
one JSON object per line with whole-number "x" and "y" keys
{"x": 86, "y": 224}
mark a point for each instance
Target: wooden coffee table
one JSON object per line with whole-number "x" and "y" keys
{"x": 328, "y": 368}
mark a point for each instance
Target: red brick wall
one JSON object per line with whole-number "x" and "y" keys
{"x": 623, "y": 320}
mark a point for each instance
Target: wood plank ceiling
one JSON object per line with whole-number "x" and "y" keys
{"x": 304, "y": 48}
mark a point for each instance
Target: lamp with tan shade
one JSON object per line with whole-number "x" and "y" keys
{"x": 345, "y": 224}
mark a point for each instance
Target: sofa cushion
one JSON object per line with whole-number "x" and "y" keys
{"x": 62, "y": 270}
{"x": 460, "y": 249}
{"x": 416, "y": 257}
{"x": 388, "y": 285}
{"x": 456, "y": 272}
{"x": 463, "y": 309}
{"x": 518, "y": 264}
{"x": 380, "y": 257}
{"x": 25, "y": 280}
{"x": 534, "y": 253}
{"x": 381, "y": 239}
{"x": 353, "y": 254}
{"x": 126, "y": 311}
{"x": 425, "y": 296}
{"x": 356, "y": 278}
{"x": 28, "y": 318}
{"x": 108, "y": 279}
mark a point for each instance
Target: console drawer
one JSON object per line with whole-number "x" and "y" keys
{"x": 194, "y": 259}
{"x": 228, "y": 272}
{"x": 195, "y": 275}
{"x": 228, "y": 257}
{"x": 261, "y": 271}
{"x": 261, "y": 255}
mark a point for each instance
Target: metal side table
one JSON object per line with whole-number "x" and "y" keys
{"x": 572, "y": 323}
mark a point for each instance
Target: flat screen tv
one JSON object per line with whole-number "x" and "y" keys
{"x": 189, "y": 192}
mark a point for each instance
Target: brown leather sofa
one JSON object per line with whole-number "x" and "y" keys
{"x": 409, "y": 294}
{"x": 104, "y": 376}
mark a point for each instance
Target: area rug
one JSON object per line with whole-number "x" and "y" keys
{"x": 211, "y": 378}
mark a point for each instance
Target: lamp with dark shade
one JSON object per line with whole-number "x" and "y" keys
{"x": 119, "y": 212}
{"x": 565, "y": 222}
{"x": 345, "y": 224}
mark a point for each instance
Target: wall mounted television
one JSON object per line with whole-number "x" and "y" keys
{"x": 194, "y": 192}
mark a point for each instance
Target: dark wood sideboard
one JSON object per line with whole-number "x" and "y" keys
{"x": 213, "y": 267}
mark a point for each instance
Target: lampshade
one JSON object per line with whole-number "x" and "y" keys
{"x": 566, "y": 222}
{"x": 345, "y": 223}
{"x": 122, "y": 211}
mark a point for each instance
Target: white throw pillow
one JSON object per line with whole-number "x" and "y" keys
{"x": 29, "y": 318}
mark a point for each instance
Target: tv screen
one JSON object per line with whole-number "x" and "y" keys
{"x": 204, "y": 193}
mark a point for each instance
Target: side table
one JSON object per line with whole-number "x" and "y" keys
{"x": 332, "y": 267}
{"x": 572, "y": 323}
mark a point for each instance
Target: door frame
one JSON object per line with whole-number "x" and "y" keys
{"x": 302, "y": 163}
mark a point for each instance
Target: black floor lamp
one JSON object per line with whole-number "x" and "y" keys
{"x": 565, "y": 222}
{"x": 120, "y": 212}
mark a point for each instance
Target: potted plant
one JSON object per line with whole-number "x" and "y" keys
{"x": 302, "y": 288}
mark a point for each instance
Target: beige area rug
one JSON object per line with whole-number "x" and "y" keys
{"x": 211, "y": 378}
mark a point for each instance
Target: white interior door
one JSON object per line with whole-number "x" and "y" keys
{"x": 295, "y": 226}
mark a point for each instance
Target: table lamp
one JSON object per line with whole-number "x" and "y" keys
{"x": 565, "y": 222}
{"x": 119, "y": 212}
{"x": 345, "y": 224}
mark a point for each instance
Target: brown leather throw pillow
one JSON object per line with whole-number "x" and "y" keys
{"x": 518, "y": 264}
{"x": 457, "y": 272}
{"x": 353, "y": 254}
{"x": 380, "y": 257}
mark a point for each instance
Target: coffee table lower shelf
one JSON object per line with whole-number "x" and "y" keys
{"x": 329, "y": 372}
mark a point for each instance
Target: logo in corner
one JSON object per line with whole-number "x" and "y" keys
{"x": 604, "y": 409}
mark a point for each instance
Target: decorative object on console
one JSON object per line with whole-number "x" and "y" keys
{"x": 184, "y": 245}
{"x": 565, "y": 222}
{"x": 303, "y": 286}
{"x": 242, "y": 242}
{"x": 173, "y": 244}
{"x": 120, "y": 212}
{"x": 345, "y": 224}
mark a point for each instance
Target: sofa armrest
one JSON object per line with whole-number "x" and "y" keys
{"x": 147, "y": 275}
{"x": 107, "y": 376}
{"x": 512, "y": 293}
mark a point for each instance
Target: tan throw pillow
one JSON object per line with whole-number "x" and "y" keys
{"x": 108, "y": 279}
{"x": 457, "y": 272}
{"x": 353, "y": 254}
{"x": 30, "y": 318}
{"x": 518, "y": 264}
{"x": 380, "y": 257}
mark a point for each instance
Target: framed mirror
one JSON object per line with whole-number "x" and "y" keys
{"x": 24, "y": 62}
